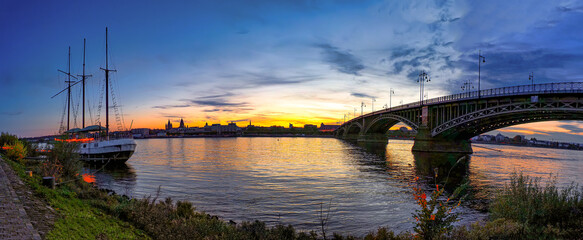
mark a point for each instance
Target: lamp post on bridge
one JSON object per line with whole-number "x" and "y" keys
{"x": 481, "y": 59}
{"x": 362, "y": 105}
{"x": 467, "y": 86}
{"x": 531, "y": 78}
{"x": 391, "y": 92}
{"x": 372, "y": 103}
{"x": 354, "y": 115}
{"x": 423, "y": 78}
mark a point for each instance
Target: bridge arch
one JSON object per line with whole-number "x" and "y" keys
{"x": 354, "y": 128}
{"x": 496, "y": 117}
{"x": 384, "y": 122}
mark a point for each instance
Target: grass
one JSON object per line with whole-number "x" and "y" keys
{"x": 78, "y": 218}
{"x": 541, "y": 211}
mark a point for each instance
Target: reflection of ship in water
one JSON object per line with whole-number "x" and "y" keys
{"x": 121, "y": 178}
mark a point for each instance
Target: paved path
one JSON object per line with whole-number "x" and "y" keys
{"x": 14, "y": 222}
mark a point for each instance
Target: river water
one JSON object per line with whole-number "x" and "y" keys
{"x": 299, "y": 181}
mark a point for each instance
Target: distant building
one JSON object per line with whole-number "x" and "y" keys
{"x": 169, "y": 125}
{"x": 181, "y": 124}
{"x": 328, "y": 128}
{"x": 140, "y": 132}
{"x": 310, "y": 126}
{"x": 500, "y": 137}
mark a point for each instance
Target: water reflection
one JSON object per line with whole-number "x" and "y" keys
{"x": 446, "y": 169}
{"x": 120, "y": 178}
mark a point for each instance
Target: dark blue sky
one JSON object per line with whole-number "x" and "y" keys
{"x": 277, "y": 62}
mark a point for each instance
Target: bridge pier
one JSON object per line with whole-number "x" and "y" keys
{"x": 424, "y": 142}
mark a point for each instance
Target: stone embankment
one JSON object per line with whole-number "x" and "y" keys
{"x": 22, "y": 215}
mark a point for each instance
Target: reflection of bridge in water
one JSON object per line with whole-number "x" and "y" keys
{"x": 446, "y": 124}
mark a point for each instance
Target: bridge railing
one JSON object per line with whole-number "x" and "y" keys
{"x": 566, "y": 87}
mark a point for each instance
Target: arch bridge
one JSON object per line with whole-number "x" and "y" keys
{"x": 445, "y": 124}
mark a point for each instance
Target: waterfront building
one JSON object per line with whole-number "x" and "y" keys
{"x": 328, "y": 128}
{"x": 169, "y": 125}
{"x": 181, "y": 124}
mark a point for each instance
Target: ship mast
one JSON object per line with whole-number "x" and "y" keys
{"x": 68, "y": 88}
{"x": 83, "y": 77}
{"x": 107, "y": 70}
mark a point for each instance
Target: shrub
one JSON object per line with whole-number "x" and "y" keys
{"x": 7, "y": 139}
{"x": 435, "y": 218}
{"x": 542, "y": 211}
{"x": 15, "y": 151}
{"x": 64, "y": 161}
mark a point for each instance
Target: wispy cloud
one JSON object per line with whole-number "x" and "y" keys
{"x": 572, "y": 129}
{"x": 343, "y": 61}
{"x": 172, "y": 106}
{"x": 16, "y": 113}
{"x": 217, "y": 103}
{"x": 361, "y": 95}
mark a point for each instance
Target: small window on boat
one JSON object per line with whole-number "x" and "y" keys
{"x": 84, "y": 145}
{"x": 95, "y": 145}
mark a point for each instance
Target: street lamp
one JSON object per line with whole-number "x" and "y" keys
{"x": 467, "y": 86}
{"x": 531, "y": 78}
{"x": 391, "y": 92}
{"x": 423, "y": 78}
{"x": 362, "y": 105}
{"x": 372, "y": 101}
{"x": 481, "y": 59}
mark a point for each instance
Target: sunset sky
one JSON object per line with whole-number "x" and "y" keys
{"x": 277, "y": 62}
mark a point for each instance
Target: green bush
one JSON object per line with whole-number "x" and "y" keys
{"x": 15, "y": 151}
{"x": 541, "y": 211}
{"x": 7, "y": 139}
{"x": 63, "y": 161}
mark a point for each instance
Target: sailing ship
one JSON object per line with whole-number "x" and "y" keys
{"x": 96, "y": 144}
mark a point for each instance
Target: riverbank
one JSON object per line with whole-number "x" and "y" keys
{"x": 146, "y": 215}
{"x": 524, "y": 209}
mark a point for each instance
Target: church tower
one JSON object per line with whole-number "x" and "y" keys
{"x": 181, "y": 123}
{"x": 169, "y": 125}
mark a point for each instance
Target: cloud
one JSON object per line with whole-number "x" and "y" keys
{"x": 511, "y": 67}
{"x": 217, "y": 103}
{"x": 343, "y": 61}
{"x": 219, "y": 100}
{"x": 173, "y": 116}
{"x": 11, "y": 113}
{"x": 212, "y": 110}
{"x": 361, "y": 95}
{"x": 172, "y": 106}
{"x": 239, "y": 120}
{"x": 572, "y": 129}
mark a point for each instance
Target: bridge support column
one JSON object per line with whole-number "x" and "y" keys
{"x": 373, "y": 142}
{"x": 425, "y": 143}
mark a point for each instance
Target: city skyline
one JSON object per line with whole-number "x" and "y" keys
{"x": 279, "y": 62}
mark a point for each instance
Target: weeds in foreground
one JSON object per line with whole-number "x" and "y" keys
{"x": 435, "y": 218}
{"x": 540, "y": 211}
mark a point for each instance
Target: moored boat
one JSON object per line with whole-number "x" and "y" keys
{"x": 95, "y": 143}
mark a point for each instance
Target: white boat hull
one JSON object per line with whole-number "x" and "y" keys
{"x": 108, "y": 151}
